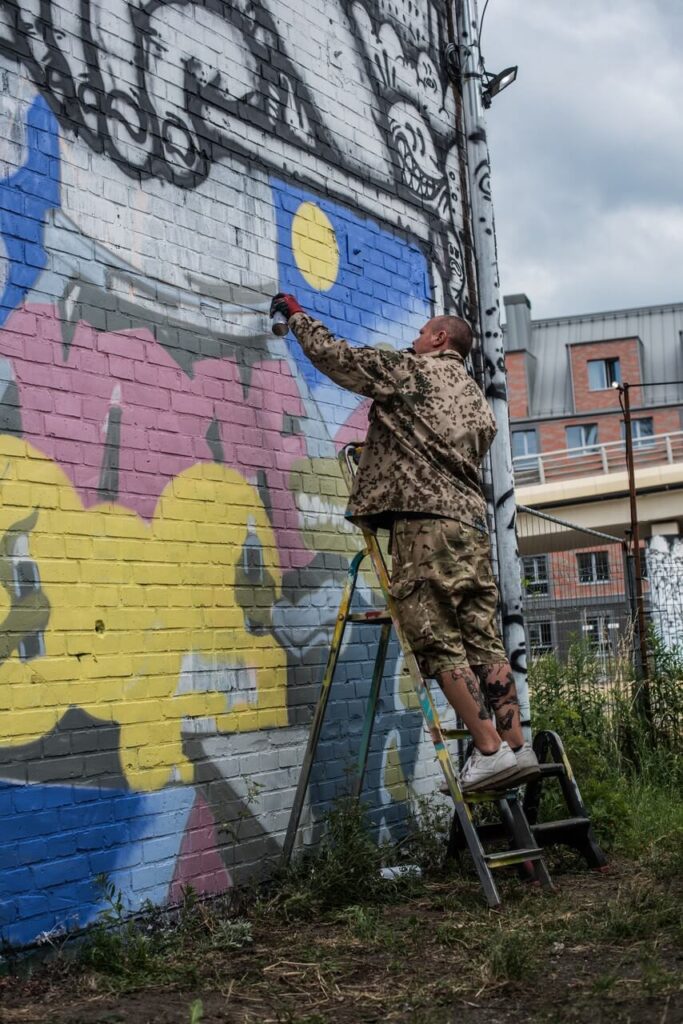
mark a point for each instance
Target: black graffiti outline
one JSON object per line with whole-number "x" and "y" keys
{"x": 76, "y": 104}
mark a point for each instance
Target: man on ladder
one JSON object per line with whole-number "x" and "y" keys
{"x": 430, "y": 427}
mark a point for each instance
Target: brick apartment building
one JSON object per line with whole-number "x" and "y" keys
{"x": 566, "y": 423}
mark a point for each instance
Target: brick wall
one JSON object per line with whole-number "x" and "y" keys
{"x": 565, "y": 584}
{"x": 173, "y": 548}
{"x": 626, "y": 351}
{"x": 600, "y": 407}
{"x": 553, "y": 433}
{"x": 518, "y": 386}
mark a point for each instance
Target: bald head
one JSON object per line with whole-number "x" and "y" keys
{"x": 444, "y": 333}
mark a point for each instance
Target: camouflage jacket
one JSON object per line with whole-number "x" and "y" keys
{"x": 430, "y": 427}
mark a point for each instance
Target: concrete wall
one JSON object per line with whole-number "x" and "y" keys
{"x": 664, "y": 559}
{"x": 171, "y": 541}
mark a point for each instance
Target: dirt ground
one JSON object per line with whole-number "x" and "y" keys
{"x": 600, "y": 949}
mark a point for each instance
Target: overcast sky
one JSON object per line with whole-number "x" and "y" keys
{"x": 587, "y": 151}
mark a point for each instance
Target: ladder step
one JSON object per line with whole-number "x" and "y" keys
{"x": 372, "y": 618}
{"x": 551, "y": 769}
{"x": 503, "y": 860}
{"x": 548, "y": 827}
{"x": 456, "y": 734}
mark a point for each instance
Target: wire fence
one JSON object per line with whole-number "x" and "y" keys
{"x": 576, "y": 589}
{"x": 580, "y": 621}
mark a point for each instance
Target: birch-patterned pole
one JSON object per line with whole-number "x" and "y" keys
{"x": 486, "y": 260}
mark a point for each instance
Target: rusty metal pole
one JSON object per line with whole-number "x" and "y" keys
{"x": 624, "y": 390}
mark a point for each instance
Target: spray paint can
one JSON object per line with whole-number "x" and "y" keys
{"x": 279, "y": 325}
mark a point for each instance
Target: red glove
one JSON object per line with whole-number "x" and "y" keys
{"x": 284, "y": 304}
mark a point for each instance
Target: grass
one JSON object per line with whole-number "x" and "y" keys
{"x": 125, "y": 953}
{"x": 329, "y": 940}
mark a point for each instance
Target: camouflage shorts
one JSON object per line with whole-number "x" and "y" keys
{"x": 445, "y": 593}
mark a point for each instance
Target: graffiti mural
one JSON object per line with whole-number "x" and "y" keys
{"x": 172, "y": 541}
{"x": 664, "y": 561}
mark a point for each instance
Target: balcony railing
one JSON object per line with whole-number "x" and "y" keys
{"x": 589, "y": 460}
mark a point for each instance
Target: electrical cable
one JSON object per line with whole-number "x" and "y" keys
{"x": 481, "y": 21}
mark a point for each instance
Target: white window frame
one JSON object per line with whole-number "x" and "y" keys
{"x": 594, "y": 567}
{"x": 526, "y": 459}
{"x": 541, "y": 647}
{"x": 586, "y": 447}
{"x": 534, "y": 579}
{"x": 640, "y": 441}
{"x": 606, "y": 634}
{"x": 608, "y": 376}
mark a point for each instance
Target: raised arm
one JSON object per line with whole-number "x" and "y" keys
{"x": 375, "y": 373}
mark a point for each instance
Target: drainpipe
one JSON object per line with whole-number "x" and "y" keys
{"x": 465, "y": 37}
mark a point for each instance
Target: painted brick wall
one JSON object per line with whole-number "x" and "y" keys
{"x": 172, "y": 547}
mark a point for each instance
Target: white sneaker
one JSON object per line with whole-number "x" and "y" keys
{"x": 488, "y": 771}
{"x": 528, "y": 767}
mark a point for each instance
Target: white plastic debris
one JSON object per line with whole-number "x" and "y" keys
{"x": 401, "y": 871}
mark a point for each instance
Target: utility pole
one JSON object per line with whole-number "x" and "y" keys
{"x": 625, "y": 402}
{"x": 466, "y": 31}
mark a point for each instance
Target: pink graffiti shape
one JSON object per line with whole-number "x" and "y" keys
{"x": 199, "y": 863}
{"x": 123, "y": 390}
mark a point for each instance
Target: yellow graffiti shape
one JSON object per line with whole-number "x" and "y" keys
{"x": 315, "y": 246}
{"x": 160, "y": 628}
{"x": 321, "y": 496}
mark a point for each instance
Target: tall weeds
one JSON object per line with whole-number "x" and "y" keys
{"x": 629, "y": 766}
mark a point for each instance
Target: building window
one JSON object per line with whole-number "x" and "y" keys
{"x": 603, "y": 373}
{"x": 602, "y": 634}
{"x": 535, "y": 574}
{"x": 540, "y": 638}
{"x": 582, "y": 439}
{"x": 642, "y": 432}
{"x": 593, "y": 566}
{"x": 524, "y": 443}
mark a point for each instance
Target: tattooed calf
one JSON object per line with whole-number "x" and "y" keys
{"x": 498, "y": 684}
{"x": 475, "y": 691}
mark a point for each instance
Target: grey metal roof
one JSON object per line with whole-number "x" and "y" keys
{"x": 660, "y": 328}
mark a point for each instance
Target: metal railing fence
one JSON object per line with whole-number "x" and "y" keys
{"x": 587, "y": 460}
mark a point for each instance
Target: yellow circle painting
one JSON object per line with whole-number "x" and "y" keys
{"x": 315, "y": 246}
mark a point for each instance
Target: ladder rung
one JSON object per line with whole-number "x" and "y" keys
{"x": 455, "y": 734}
{"x": 371, "y": 618}
{"x": 546, "y": 827}
{"x": 485, "y": 796}
{"x": 552, "y": 769}
{"x": 502, "y": 860}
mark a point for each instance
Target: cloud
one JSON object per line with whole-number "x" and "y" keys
{"x": 587, "y": 152}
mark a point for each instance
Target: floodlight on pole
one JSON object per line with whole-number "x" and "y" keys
{"x": 496, "y": 83}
